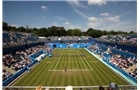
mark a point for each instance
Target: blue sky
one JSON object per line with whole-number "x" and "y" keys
{"x": 103, "y": 15}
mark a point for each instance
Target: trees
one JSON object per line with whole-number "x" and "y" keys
{"x": 42, "y": 32}
{"x": 74, "y": 32}
{"x": 21, "y": 29}
{"x": 94, "y": 33}
{"x": 132, "y": 32}
{"x": 61, "y": 31}
{"x": 69, "y": 32}
{"x": 56, "y": 31}
{"x": 5, "y": 26}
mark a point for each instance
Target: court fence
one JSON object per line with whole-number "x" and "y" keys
{"x": 121, "y": 87}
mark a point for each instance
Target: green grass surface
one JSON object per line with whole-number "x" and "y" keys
{"x": 81, "y": 71}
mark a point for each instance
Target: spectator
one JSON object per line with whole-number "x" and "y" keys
{"x": 6, "y": 74}
{"x": 108, "y": 88}
{"x": 101, "y": 88}
{"x": 116, "y": 87}
{"x": 112, "y": 85}
{"x": 39, "y": 87}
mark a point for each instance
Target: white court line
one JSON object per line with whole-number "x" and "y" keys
{"x": 82, "y": 62}
{"x": 53, "y": 61}
{"x": 51, "y": 64}
{"x": 71, "y": 62}
{"x": 58, "y": 60}
{"x": 73, "y": 70}
{"x": 86, "y": 61}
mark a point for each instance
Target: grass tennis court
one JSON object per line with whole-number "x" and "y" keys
{"x": 81, "y": 71}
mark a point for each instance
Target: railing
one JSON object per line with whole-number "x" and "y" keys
{"x": 121, "y": 87}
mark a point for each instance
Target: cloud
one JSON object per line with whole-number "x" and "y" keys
{"x": 123, "y": 25}
{"x": 92, "y": 19}
{"x": 44, "y": 8}
{"x": 80, "y": 13}
{"x": 93, "y": 24}
{"x": 126, "y": 3}
{"x": 76, "y": 3}
{"x": 43, "y": 17}
{"x": 96, "y": 2}
{"x": 113, "y": 19}
{"x": 66, "y": 23}
{"x": 61, "y": 18}
{"x": 104, "y": 14}
{"x": 14, "y": 25}
{"x": 71, "y": 26}
{"x": 126, "y": 13}
{"x": 112, "y": 23}
{"x": 96, "y": 23}
{"x": 54, "y": 24}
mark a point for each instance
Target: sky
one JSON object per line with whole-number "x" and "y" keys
{"x": 97, "y": 14}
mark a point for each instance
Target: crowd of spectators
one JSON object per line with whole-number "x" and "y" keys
{"x": 16, "y": 60}
{"x": 120, "y": 49}
{"x": 133, "y": 72}
{"x": 19, "y": 59}
{"x": 130, "y": 40}
{"x": 122, "y": 62}
{"x": 95, "y": 47}
{"x": 67, "y": 38}
{"x": 5, "y": 74}
{"x": 11, "y": 38}
{"x": 116, "y": 59}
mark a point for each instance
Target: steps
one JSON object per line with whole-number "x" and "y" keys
{"x": 132, "y": 67}
{"x": 8, "y": 69}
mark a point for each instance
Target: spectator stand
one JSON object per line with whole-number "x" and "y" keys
{"x": 18, "y": 38}
{"x": 119, "y": 71}
{"x": 124, "y": 56}
{"x": 125, "y": 42}
{"x": 35, "y": 58}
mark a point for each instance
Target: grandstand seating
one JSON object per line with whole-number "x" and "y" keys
{"x": 18, "y": 60}
{"x": 18, "y": 38}
{"x": 129, "y": 40}
{"x": 67, "y": 38}
{"x": 123, "y": 62}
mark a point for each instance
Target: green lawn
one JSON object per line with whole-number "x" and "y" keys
{"x": 81, "y": 71}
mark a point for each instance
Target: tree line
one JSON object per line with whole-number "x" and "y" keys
{"x": 61, "y": 31}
